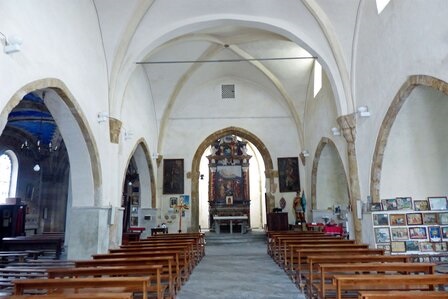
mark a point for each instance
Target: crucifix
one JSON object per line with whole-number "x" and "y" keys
{"x": 181, "y": 207}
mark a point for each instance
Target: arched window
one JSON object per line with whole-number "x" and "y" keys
{"x": 8, "y": 175}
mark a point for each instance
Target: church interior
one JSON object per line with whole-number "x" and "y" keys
{"x": 124, "y": 119}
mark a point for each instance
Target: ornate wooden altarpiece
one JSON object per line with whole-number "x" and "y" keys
{"x": 229, "y": 179}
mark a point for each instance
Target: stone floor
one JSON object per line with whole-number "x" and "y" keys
{"x": 237, "y": 266}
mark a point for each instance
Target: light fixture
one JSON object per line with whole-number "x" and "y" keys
{"x": 305, "y": 153}
{"x": 363, "y": 111}
{"x": 128, "y": 134}
{"x": 102, "y": 117}
{"x": 36, "y": 167}
{"x": 335, "y": 131}
{"x": 11, "y": 44}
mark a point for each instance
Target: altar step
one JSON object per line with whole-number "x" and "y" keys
{"x": 226, "y": 238}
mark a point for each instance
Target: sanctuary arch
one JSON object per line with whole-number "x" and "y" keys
{"x": 195, "y": 172}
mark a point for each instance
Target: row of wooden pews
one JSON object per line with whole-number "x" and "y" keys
{"x": 156, "y": 267}
{"x": 325, "y": 266}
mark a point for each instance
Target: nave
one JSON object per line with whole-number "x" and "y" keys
{"x": 238, "y": 266}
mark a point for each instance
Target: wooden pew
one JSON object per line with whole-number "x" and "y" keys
{"x": 271, "y": 237}
{"x": 105, "y": 295}
{"x": 153, "y": 271}
{"x": 327, "y": 271}
{"x": 33, "y": 242}
{"x": 402, "y": 294}
{"x": 377, "y": 282}
{"x": 166, "y": 261}
{"x": 133, "y": 284}
{"x": 302, "y": 255}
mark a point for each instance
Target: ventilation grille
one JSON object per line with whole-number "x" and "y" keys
{"x": 228, "y": 91}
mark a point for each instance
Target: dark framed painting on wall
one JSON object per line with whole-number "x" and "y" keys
{"x": 173, "y": 176}
{"x": 288, "y": 174}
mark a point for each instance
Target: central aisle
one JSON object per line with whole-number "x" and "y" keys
{"x": 237, "y": 266}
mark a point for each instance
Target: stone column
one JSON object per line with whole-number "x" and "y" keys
{"x": 348, "y": 127}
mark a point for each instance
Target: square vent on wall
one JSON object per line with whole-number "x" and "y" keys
{"x": 228, "y": 91}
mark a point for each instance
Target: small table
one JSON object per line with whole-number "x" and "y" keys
{"x": 218, "y": 219}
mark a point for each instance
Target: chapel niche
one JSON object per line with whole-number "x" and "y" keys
{"x": 229, "y": 178}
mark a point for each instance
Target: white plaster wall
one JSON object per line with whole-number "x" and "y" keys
{"x": 406, "y": 39}
{"x": 415, "y": 157}
{"x": 56, "y": 44}
{"x": 331, "y": 185}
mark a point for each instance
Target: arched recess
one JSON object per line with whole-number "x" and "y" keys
{"x": 388, "y": 121}
{"x": 197, "y": 160}
{"x": 340, "y": 178}
{"x": 145, "y": 168}
{"x": 85, "y": 166}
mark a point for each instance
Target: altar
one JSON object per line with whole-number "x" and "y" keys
{"x": 242, "y": 220}
{"x": 229, "y": 198}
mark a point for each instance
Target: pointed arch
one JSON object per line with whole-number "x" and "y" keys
{"x": 388, "y": 121}
{"x": 197, "y": 159}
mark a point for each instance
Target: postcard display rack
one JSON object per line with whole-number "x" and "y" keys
{"x": 418, "y": 228}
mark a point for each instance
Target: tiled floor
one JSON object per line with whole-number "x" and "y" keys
{"x": 238, "y": 267}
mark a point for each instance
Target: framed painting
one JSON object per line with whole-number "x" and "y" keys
{"x": 412, "y": 246}
{"x": 443, "y": 218}
{"x": 418, "y": 233}
{"x": 397, "y": 219}
{"x": 426, "y": 247}
{"x": 414, "y": 218}
{"x": 434, "y": 234}
{"x": 444, "y": 230}
{"x": 173, "y": 176}
{"x": 429, "y": 218}
{"x": 404, "y": 203}
{"x": 440, "y": 247}
{"x": 389, "y": 204}
{"x": 288, "y": 174}
{"x": 380, "y": 219}
{"x": 438, "y": 203}
{"x": 173, "y": 202}
{"x": 421, "y": 205}
{"x": 397, "y": 247}
{"x": 375, "y": 206}
{"x": 382, "y": 235}
{"x": 399, "y": 233}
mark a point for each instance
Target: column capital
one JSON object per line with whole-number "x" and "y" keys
{"x": 348, "y": 126}
{"x": 115, "y": 128}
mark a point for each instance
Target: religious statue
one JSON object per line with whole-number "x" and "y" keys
{"x": 298, "y": 207}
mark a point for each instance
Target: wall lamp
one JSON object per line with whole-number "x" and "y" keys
{"x": 335, "y": 131}
{"x": 363, "y": 111}
{"x": 305, "y": 153}
{"x": 102, "y": 117}
{"x": 11, "y": 44}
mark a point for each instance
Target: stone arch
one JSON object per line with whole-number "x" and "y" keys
{"x": 388, "y": 121}
{"x": 86, "y": 178}
{"x": 323, "y": 142}
{"x": 146, "y": 170}
{"x": 269, "y": 173}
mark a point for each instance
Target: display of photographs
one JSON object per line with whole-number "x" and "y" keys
{"x": 399, "y": 233}
{"x": 386, "y": 247}
{"x": 421, "y": 205}
{"x": 444, "y": 233}
{"x": 389, "y": 204}
{"x": 434, "y": 233}
{"x": 429, "y": 218}
{"x": 382, "y": 234}
{"x": 412, "y": 246}
{"x": 438, "y": 203}
{"x": 426, "y": 247}
{"x": 443, "y": 218}
{"x": 380, "y": 219}
{"x": 397, "y": 247}
{"x": 414, "y": 218}
{"x": 404, "y": 203}
{"x": 418, "y": 233}
{"x": 375, "y": 206}
{"x": 397, "y": 219}
{"x": 438, "y": 247}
